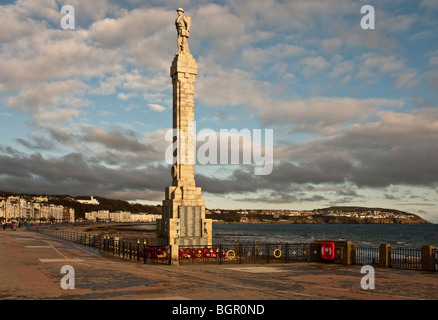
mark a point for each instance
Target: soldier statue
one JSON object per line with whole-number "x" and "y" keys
{"x": 182, "y": 24}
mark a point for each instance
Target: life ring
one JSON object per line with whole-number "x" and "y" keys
{"x": 232, "y": 253}
{"x": 187, "y": 253}
{"x": 277, "y": 253}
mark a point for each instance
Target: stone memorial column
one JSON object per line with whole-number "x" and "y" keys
{"x": 183, "y": 220}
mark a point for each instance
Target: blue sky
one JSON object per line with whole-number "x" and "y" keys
{"x": 354, "y": 112}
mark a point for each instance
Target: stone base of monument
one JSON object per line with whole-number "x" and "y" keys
{"x": 188, "y": 228}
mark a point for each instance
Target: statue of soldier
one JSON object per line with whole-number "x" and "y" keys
{"x": 182, "y": 24}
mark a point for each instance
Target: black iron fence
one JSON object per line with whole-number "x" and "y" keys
{"x": 237, "y": 253}
{"x": 126, "y": 249}
{"x": 407, "y": 258}
{"x": 141, "y": 251}
{"x": 246, "y": 253}
{"x": 366, "y": 255}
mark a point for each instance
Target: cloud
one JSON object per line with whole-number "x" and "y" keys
{"x": 256, "y": 58}
{"x": 73, "y": 174}
{"x": 375, "y": 64}
{"x": 312, "y": 65}
{"x": 156, "y": 107}
{"x": 398, "y": 149}
{"x": 114, "y": 139}
{"x": 323, "y": 114}
{"x": 303, "y": 68}
{"x": 239, "y": 89}
{"x": 429, "y": 5}
{"x": 215, "y": 34}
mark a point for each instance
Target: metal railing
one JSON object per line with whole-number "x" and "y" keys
{"x": 130, "y": 250}
{"x": 237, "y": 253}
{"x": 366, "y": 255}
{"x": 231, "y": 253}
{"x": 245, "y": 253}
{"x": 407, "y": 258}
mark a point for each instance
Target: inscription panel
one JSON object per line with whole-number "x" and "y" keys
{"x": 165, "y": 221}
{"x": 190, "y": 221}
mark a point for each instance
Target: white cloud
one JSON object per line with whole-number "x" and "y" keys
{"x": 156, "y": 107}
{"x": 342, "y": 68}
{"x": 256, "y": 58}
{"x": 262, "y": 56}
{"x": 429, "y": 4}
{"x": 312, "y": 65}
{"x": 323, "y": 114}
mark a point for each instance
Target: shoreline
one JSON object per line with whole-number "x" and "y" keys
{"x": 121, "y": 230}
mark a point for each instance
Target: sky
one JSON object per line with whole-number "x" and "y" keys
{"x": 353, "y": 111}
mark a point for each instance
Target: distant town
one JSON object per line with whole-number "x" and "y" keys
{"x": 63, "y": 209}
{"x": 340, "y": 214}
{"x": 40, "y": 209}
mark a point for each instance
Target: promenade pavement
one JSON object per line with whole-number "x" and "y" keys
{"x": 30, "y": 269}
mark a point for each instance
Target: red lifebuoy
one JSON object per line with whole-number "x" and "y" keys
{"x": 327, "y": 250}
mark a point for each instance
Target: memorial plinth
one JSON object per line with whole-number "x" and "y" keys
{"x": 183, "y": 212}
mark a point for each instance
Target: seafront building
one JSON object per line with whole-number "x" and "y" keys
{"x": 35, "y": 209}
{"x": 120, "y": 216}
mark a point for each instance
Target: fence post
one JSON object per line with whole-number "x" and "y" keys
{"x": 385, "y": 255}
{"x": 130, "y": 251}
{"x": 427, "y": 258}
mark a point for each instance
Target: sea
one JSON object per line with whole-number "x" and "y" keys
{"x": 398, "y": 235}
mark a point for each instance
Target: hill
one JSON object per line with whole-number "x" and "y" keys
{"x": 335, "y": 215}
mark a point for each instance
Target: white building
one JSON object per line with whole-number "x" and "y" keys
{"x": 91, "y": 201}
{"x": 102, "y": 215}
{"x": 144, "y": 217}
{"x": 120, "y": 216}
